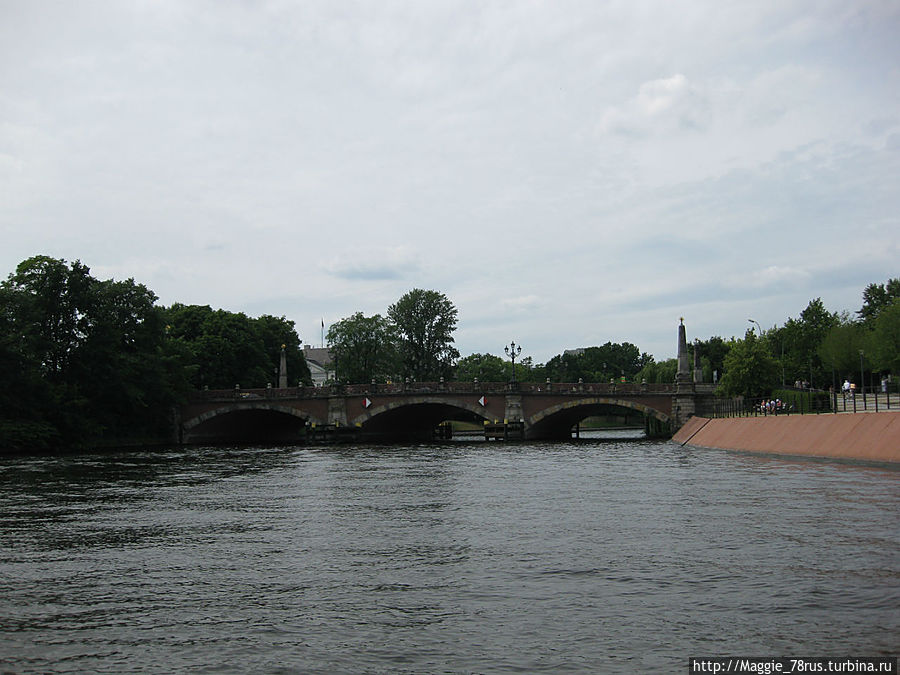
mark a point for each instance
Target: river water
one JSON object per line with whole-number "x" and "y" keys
{"x": 584, "y": 556}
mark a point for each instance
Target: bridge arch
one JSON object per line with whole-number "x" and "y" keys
{"x": 417, "y": 416}
{"x": 557, "y": 420}
{"x": 248, "y": 421}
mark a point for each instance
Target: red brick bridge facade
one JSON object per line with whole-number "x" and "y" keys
{"x": 413, "y": 411}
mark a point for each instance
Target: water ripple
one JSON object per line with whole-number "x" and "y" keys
{"x": 570, "y": 557}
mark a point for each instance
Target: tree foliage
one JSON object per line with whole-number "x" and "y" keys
{"x": 749, "y": 368}
{"x": 796, "y": 345}
{"x": 840, "y": 349}
{"x": 884, "y": 343}
{"x": 876, "y": 298}
{"x": 363, "y": 349}
{"x": 424, "y": 322}
{"x": 86, "y": 361}
{"x": 83, "y": 359}
{"x": 662, "y": 372}
{"x": 712, "y": 357}
{"x": 597, "y": 364}
{"x": 224, "y": 349}
{"x": 482, "y": 367}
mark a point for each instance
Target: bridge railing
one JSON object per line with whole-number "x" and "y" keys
{"x": 398, "y": 388}
{"x": 808, "y": 401}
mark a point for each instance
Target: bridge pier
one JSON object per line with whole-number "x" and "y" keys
{"x": 337, "y": 411}
{"x": 513, "y": 408}
{"x": 684, "y": 405}
{"x": 654, "y": 428}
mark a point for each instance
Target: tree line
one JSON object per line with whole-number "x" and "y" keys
{"x": 820, "y": 348}
{"x": 414, "y": 341}
{"x": 85, "y": 361}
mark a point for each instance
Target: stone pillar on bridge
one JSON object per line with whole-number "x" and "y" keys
{"x": 513, "y": 410}
{"x": 683, "y": 404}
{"x": 337, "y": 411}
{"x": 282, "y": 370}
{"x": 684, "y": 368}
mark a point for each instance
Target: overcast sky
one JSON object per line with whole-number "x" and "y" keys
{"x": 567, "y": 172}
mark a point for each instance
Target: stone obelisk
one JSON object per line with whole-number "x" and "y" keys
{"x": 684, "y": 364}
{"x": 683, "y": 404}
{"x": 282, "y": 370}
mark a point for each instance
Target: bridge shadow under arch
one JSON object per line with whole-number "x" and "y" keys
{"x": 557, "y": 421}
{"x": 415, "y": 420}
{"x": 254, "y": 422}
{"x": 262, "y": 417}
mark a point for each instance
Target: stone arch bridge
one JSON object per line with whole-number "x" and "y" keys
{"x": 400, "y": 412}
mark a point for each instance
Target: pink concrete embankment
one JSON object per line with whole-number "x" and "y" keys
{"x": 873, "y": 437}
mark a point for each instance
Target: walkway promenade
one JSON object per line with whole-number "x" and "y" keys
{"x": 871, "y": 437}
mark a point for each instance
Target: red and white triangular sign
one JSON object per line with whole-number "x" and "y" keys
{"x": 367, "y": 403}
{"x": 482, "y": 401}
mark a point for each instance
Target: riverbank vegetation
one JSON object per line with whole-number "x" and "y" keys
{"x": 820, "y": 349}
{"x": 85, "y": 362}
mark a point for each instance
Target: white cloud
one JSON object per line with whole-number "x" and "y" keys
{"x": 772, "y": 276}
{"x": 568, "y": 173}
{"x": 375, "y": 264}
{"x": 660, "y": 106}
{"x": 522, "y": 305}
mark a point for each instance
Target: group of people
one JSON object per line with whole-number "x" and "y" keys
{"x": 773, "y": 407}
{"x": 848, "y": 388}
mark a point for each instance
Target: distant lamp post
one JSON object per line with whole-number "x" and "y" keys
{"x": 512, "y": 351}
{"x": 757, "y": 325}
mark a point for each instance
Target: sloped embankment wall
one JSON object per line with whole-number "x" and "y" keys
{"x": 873, "y": 437}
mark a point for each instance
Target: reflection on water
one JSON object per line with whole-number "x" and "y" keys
{"x": 588, "y": 556}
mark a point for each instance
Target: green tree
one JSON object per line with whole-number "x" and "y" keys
{"x": 563, "y": 367}
{"x": 796, "y": 345}
{"x": 597, "y": 364}
{"x": 878, "y": 297}
{"x": 840, "y": 348}
{"x": 275, "y": 333}
{"x": 712, "y": 357}
{"x": 662, "y": 372}
{"x": 885, "y": 339}
{"x": 52, "y": 309}
{"x": 424, "y": 322}
{"x": 526, "y": 370}
{"x": 363, "y": 348}
{"x": 483, "y": 367}
{"x": 228, "y": 348}
{"x": 26, "y": 395}
{"x": 123, "y": 365}
{"x": 224, "y": 349}
{"x": 86, "y": 359}
{"x": 749, "y": 368}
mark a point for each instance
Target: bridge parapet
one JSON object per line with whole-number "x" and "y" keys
{"x": 402, "y": 388}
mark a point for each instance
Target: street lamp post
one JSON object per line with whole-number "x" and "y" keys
{"x": 757, "y": 325}
{"x": 512, "y": 351}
